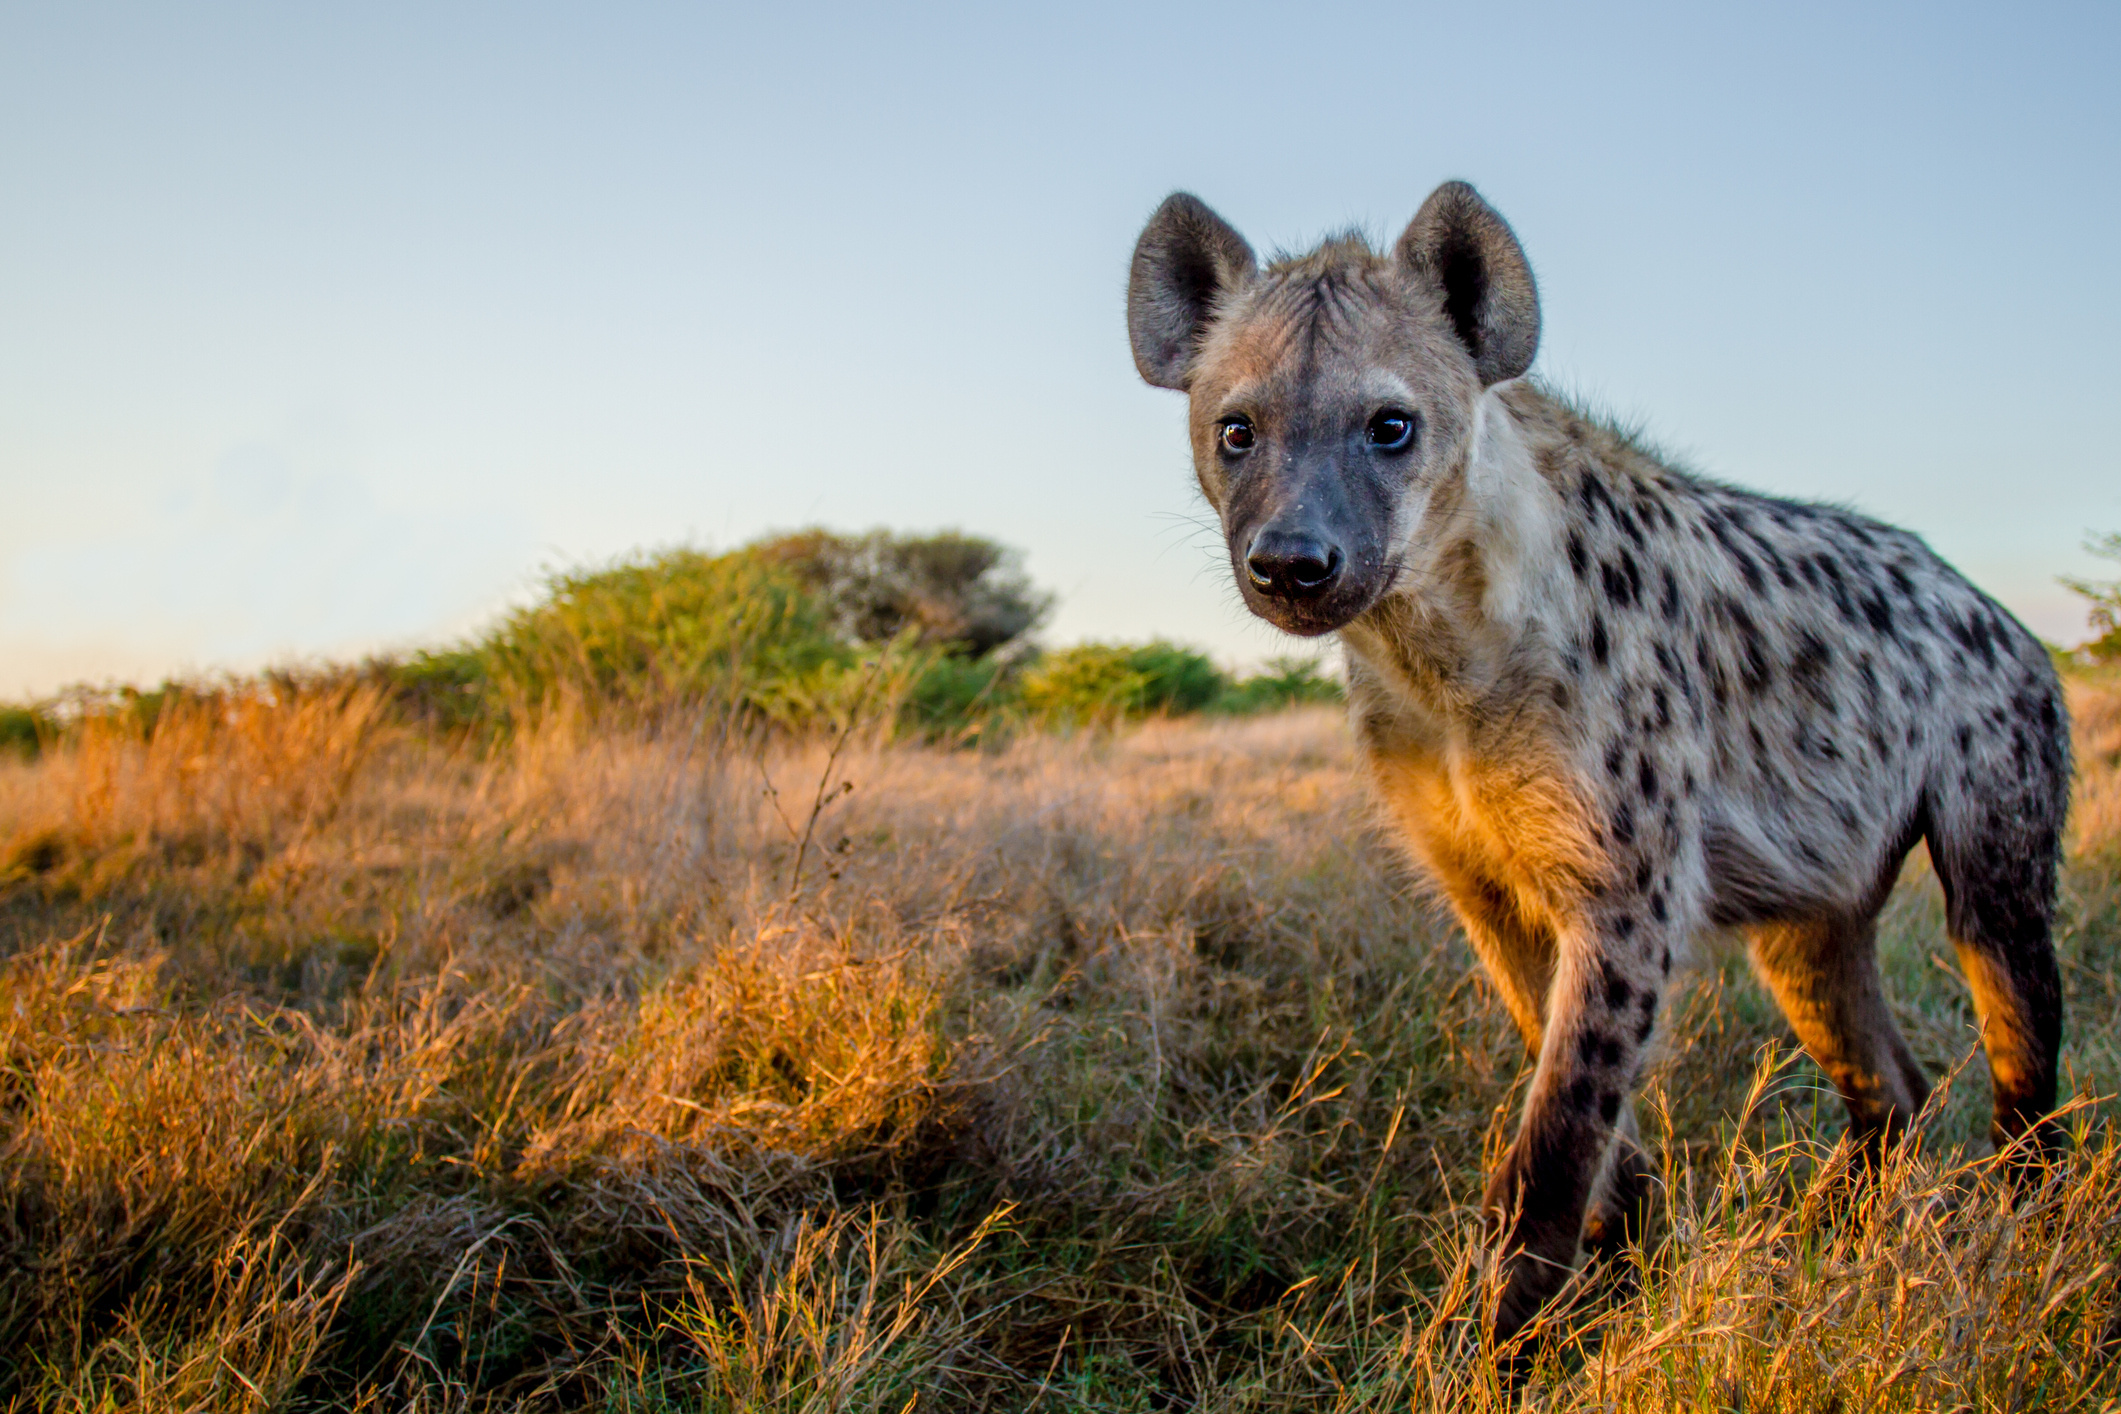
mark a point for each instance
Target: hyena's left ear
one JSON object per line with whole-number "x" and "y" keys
{"x": 1462, "y": 246}
{"x": 1187, "y": 256}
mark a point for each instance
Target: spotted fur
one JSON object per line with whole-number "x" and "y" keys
{"x": 1610, "y": 704}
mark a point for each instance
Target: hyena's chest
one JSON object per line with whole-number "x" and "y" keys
{"x": 1502, "y": 816}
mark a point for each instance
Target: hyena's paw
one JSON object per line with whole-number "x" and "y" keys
{"x": 1533, "y": 1242}
{"x": 1620, "y": 1215}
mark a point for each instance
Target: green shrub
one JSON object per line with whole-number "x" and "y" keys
{"x": 1284, "y": 682}
{"x": 2105, "y": 600}
{"x": 794, "y": 629}
{"x": 24, "y": 730}
{"x": 1107, "y": 682}
{"x": 952, "y": 695}
{"x": 736, "y": 631}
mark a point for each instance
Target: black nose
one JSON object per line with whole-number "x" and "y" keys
{"x": 1292, "y": 565}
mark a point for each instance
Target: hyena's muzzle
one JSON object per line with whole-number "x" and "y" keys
{"x": 1309, "y": 535}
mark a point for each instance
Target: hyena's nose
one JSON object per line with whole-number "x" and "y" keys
{"x": 1292, "y": 565}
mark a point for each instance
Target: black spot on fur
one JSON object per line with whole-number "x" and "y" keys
{"x": 1808, "y": 667}
{"x": 1615, "y": 756}
{"x": 1601, "y": 646}
{"x": 1609, "y": 1106}
{"x": 1669, "y": 605}
{"x": 1646, "y": 777}
{"x": 1838, "y": 588}
{"x": 1753, "y": 668}
{"x": 1624, "y": 825}
{"x": 1768, "y": 552}
{"x": 1615, "y": 583}
{"x": 1746, "y": 567}
{"x": 1617, "y": 991}
{"x": 1880, "y": 615}
{"x": 1576, "y": 555}
{"x": 1712, "y": 673}
{"x": 1628, "y": 524}
{"x": 1658, "y": 908}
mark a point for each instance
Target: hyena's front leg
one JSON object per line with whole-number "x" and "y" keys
{"x": 1599, "y": 1018}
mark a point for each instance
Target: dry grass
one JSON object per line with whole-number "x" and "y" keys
{"x": 1116, "y": 1072}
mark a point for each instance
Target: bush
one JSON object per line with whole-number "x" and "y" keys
{"x": 734, "y": 630}
{"x": 1285, "y": 682}
{"x": 2105, "y": 599}
{"x": 952, "y": 591}
{"x": 1107, "y": 682}
{"x": 952, "y": 695}
{"x": 795, "y": 630}
{"x": 23, "y": 730}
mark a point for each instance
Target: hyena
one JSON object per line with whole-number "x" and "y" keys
{"x": 1607, "y": 703}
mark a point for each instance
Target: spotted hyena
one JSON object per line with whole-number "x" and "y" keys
{"x": 1608, "y": 703}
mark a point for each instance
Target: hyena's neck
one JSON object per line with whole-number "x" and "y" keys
{"x": 1478, "y": 600}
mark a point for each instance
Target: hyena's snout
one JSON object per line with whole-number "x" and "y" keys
{"x": 1310, "y": 559}
{"x": 1294, "y": 564}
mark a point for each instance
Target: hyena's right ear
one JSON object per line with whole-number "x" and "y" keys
{"x": 1186, "y": 257}
{"x": 1468, "y": 251}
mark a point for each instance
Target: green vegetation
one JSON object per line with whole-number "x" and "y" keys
{"x": 23, "y": 730}
{"x": 2105, "y": 600}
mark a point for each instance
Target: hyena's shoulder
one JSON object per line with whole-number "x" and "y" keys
{"x": 1643, "y": 532}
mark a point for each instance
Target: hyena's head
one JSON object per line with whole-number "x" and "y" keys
{"x": 1333, "y": 394}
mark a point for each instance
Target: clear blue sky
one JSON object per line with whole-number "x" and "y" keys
{"x": 324, "y": 328}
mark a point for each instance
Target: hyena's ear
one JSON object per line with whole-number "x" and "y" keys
{"x": 1460, "y": 244}
{"x": 1186, "y": 257}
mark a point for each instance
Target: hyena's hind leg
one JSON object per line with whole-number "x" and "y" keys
{"x": 1824, "y": 974}
{"x": 1997, "y": 862}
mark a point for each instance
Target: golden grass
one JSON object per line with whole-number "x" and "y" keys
{"x": 342, "y": 1068}
{"x": 2096, "y": 812}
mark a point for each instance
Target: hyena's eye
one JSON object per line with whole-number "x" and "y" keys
{"x": 1236, "y": 435}
{"x": 1391, "y": 430}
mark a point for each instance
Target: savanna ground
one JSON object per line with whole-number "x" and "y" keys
{"x": 658, "y": 1067}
